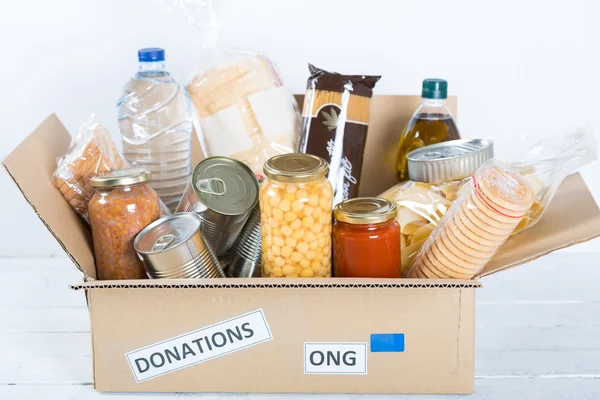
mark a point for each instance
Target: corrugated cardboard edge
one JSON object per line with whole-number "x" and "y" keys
{"x": 275, "y": 283}
{"x": 60, "y": 242}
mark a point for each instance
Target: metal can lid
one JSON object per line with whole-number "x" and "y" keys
{"x": 225, "y": 185}
{"x": 120, "y": 177}
{"x": 448, "y": 161}
{"x": 295, "y": 167}
{"x": 167, "y": 233}
{"x": 365, "y": 210}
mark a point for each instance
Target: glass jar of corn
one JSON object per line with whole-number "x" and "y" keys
{"x": 296, "y": 213}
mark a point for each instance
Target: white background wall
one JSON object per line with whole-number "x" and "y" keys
{"x": 517, "y": 66}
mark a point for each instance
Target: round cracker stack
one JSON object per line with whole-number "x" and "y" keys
{"x": 476, "y": 226}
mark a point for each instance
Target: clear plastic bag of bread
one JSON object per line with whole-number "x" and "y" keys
{"x": 421, "y": 206}
{"x": 91, "y": 151}
{"x": 546, "y": 162}
{"x": 243, "y": 110}
{"x": 488, "y": 210}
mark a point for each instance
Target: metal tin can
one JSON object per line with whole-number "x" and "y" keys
{"x": 448, "y": 161}
{"x": 246, "y": 254}
{"x": 223, "y": 192}
{"x": 173, "y": 247}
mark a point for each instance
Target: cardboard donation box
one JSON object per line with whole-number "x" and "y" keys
{"x": 337, "y": 335}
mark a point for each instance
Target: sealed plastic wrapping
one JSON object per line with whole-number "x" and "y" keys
{"x": 545, "y": 162}
{"x": 484, "y": 216}
{"x": 438, "y": 174}
{"x": 421, "y": 206}
{"x": 335, "y": 122}
{"x": 92, "y": 151}
{"x": 243, "y": 109}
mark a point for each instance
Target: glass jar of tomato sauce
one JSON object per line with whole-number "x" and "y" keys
{"x": 366, "y": 239}
{"x": 296, "y": 200}
{"x": 122, "y": 205}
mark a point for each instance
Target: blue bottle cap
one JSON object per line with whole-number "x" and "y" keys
{"x": 151, "y": 54}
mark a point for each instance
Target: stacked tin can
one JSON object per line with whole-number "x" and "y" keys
{"x": 173, "y": 247}
{"x": 223, "y": 192}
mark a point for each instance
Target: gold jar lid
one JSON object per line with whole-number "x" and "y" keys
{"x": 295, "y": 167}
{"x": 120, "y": 177}
{"x": 365, "y": 210}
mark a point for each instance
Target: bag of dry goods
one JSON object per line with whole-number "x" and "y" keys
{"x": 335, "y": 120}
{"x": 438, "y": 173}
{"x": 484, "y": 216}
{"x": 243, "y": 109}
{"x": 92, "y": 151}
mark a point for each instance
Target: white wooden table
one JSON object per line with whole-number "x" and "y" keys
{"x": 538, "y": 334}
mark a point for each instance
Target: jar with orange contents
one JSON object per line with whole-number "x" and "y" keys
{"x": 295, "y": 207}
{"x": 123, "y": 204}
{"x": 366, "y": 239}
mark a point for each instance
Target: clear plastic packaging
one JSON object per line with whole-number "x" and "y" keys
{"x": 243, "y": 109}
{"x": 488, "y": 210}
{"x": 545, "y": 162}
{"x": 92, "y": 151}
{"x": 421, "y": 206}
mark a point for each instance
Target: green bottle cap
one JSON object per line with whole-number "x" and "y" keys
{"x": 434, "y": 89}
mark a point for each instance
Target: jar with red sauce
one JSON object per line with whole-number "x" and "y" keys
{"x": 366, "y": 239}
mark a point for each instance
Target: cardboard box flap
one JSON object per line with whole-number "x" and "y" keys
{"x": 31, "y": 166}
{"x": 572, "y": 217}
{"x": 237, "y": 283}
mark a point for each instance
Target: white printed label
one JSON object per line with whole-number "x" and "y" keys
{"x": 275, "y": 112}
{"x": 198, "y": 346}
{"x": 335, "y": 358}
{"x": 225, "y": 132}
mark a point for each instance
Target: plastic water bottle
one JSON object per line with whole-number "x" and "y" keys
{"x": 155, "y": 124}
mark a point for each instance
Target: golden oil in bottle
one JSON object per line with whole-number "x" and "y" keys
{"x": 431, "y": 123}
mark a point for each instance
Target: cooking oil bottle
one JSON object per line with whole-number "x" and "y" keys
{"x": 431, "y": 123}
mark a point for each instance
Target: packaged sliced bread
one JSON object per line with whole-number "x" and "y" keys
{"x": 244, "y": 111}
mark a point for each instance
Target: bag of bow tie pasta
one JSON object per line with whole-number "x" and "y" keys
{"x": 243, "y": 109}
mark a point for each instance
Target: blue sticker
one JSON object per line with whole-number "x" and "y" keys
{"x": 387, "y": 342}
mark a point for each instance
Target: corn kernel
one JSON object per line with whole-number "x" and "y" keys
{"x": 296, "y": 224}
{"x": 279, "y": 262}
{"x": 296, "y": 256}
{"x": 276, "y": 250}
{"x": 278, "y": 241}
{"x": 290, "y": 216}
{"x": 291, "y": 242}
{"x": 302, "y": 247}
{"x": 277, "y": 272}
{"x": 286, "y": 230}
{"x": 288, "y": 270}
{"x": 313, "y": 200}
{"x": 307, "y": 273}
{"x": 298, "y": 234}
{"x": 278, "y": 214}
{"x": 308, "y": 222}
{"x": 297, "y": 206}
{"x": 286, "y": 251}
{"x": 285, "y": 205}
{"x": 308, "y": 210}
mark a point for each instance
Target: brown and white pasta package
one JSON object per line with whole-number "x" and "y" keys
{"x": 335, "y": 121}
{"x": 476, "y": 225}
{"x": 92, "y": 151}
{"x": 244, "y": 111}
